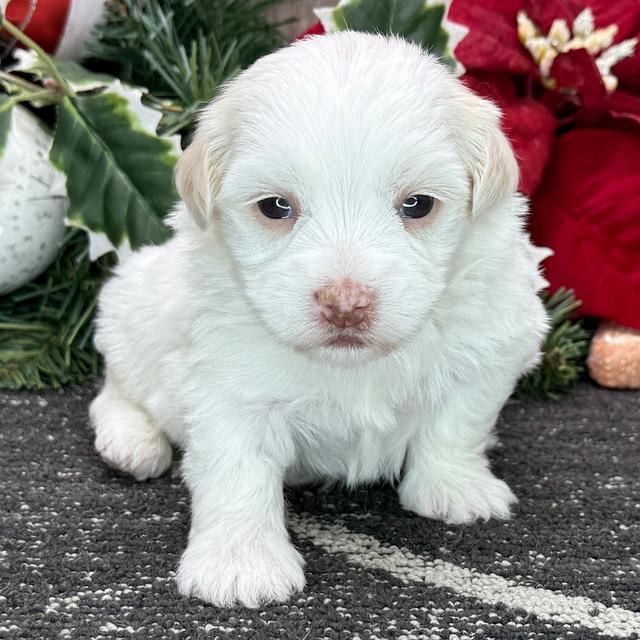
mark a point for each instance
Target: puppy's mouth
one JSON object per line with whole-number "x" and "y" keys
{"x": 346, "y": 341}
{"x": 344, "y": 347}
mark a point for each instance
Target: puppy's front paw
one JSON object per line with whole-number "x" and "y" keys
{"x": 457, "y": 496}
{"x": 248, "y": 573}
{"x": 137, "y": 449}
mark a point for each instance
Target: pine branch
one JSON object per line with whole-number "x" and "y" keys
{"x": 184, "y": 50}
{"x": 564, "y": 351}
{"x": 46, "y": 327}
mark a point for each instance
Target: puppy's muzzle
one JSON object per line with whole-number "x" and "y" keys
{"x": 346, "y": 304}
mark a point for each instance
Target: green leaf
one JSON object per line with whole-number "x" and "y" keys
{"x": 27, "y": 61}
{"x": 119, "y": 177}
{"x": 411, "y": 19}
{"x": 79, "y": 79}
{"x": 5, "y": 121}
{"x": 172, "y": 123}
{"x": 76, "y": 77}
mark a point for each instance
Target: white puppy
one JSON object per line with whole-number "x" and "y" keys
{"x": 349, "y": 295}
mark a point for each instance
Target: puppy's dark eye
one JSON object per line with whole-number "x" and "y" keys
{"x": 416, "y": 206}
{"x": 276, "y": 208}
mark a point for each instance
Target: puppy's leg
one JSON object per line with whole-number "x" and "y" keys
{"x": 447, "y": 474}
{"x": 239, "y": 549}
{"x": 125, "y": 437}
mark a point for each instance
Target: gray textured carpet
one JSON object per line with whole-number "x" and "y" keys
{"x": 87, "y": 553}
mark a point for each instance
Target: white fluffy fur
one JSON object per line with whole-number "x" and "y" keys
{"x": 213, "y": 342}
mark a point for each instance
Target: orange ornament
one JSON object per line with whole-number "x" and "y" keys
{"x": 614, "y": 357}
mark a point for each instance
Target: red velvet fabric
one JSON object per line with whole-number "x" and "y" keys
{"x": 587, "y": 210}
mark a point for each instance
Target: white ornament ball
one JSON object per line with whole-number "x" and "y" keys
{"x": 32, "y": 205}
{"x": 82, "y": 19}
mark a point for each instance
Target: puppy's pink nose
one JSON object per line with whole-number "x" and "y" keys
{"x": 346, "y": 304}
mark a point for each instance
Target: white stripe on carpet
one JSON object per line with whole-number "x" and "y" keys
{"x": 368, "y": 552}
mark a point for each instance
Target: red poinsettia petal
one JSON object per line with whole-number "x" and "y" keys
{"x": 528, "y": 124}
{"x": 530, "y": 128}
{"x": 626, "y": 15}
{"x": 624, "y": 105}
{"x": 587, "y": 210}
{"x": 576, "y": 70}
{"x": 492, "y": 42}
{"x": 314, "y": 30}
{"x": 544, "y": 12}
{"x": 620, "y": 110}
{"x": 628, "y": 72}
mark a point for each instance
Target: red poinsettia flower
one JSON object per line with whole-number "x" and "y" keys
{"x": 568, "y": 74}
{"x": 567, "y": 77}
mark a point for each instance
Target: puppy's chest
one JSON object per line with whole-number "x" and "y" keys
{"x": 357, "y": 443}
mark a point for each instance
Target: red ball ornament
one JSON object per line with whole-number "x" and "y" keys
{"x": 61, "y": 27}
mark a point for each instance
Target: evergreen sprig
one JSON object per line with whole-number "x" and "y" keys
{"x": 183, "y": 50}
{"x": 46, "y": 326}
{"x": 563, "y": 354}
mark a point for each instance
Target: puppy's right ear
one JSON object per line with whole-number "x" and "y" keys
{"x": 199, "y": 169}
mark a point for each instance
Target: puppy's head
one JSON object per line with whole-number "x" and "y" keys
{"x": 341, "y": 173}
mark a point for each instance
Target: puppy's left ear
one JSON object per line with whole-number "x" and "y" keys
{"x": 485, "y": 150}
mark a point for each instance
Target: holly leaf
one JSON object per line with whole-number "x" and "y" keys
{"x": 28, "y": 61}
{"x": 79, "y": 79}
{"x": 414, "y": 20}
{"x": 5, "y": 121}
{"x": 119, "y": 177}
{"x": 76, "y": 76}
